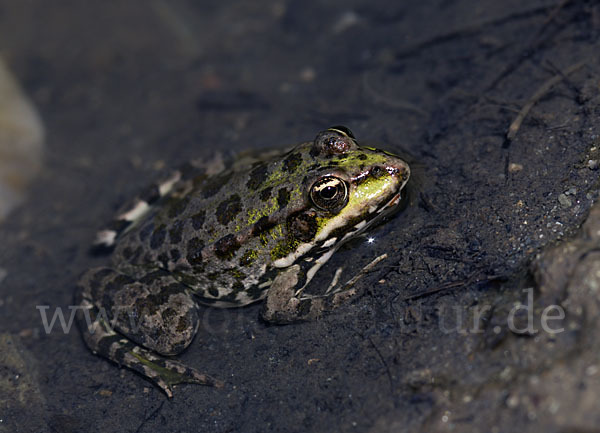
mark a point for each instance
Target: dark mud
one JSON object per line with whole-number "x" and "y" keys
{"x": 127, "y": 88}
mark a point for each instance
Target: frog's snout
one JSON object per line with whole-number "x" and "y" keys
{"x": 399, "y": 171}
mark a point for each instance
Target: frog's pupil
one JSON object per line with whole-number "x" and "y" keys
{"x": 329, "y": 192}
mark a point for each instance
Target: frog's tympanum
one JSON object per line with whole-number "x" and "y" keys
{"x": 259, "y": 230}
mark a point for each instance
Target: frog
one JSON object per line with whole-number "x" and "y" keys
{"x": 249, "y": 232}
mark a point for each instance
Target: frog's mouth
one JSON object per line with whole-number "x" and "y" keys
{"x": 326, "y": 249}
{"x": 373, "y": 218}
{"x": 394, "y": 204}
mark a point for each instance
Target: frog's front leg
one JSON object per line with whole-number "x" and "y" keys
{"x": 136, "y": 322}
{"x": 286, "y": 302}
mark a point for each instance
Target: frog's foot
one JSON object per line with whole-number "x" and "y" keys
{"x": 123, "y": 320}
{"x": 286, "y": 304}
{"x": 165, "y": 372}
{"x": 162, "y": 371}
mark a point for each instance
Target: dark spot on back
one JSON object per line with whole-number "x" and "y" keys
{"x": 213, "y": 185}
{"x": 175, "y": 232}
{"x": 158, "y": 237}
{"x": 177, "y": 206}
{"x": 127, "y": 253}
{"x": 228, "y": 209}
{"x": 163, "y": 258}
{"x": 150, "y": 277}
{"x": 226, "y": 246}
{"x": 283, "y": 198}
{"x": 303, "y": 225}
{"x": 198, "y": 220}
{"x": 257, "y": 177}
{"x": 175, "y": 255}
{"x": 265, "y": 194}
{"x": 194, "y": 251}
{"x": 97, "y": 280}
{"x": 262, "y": 225}
{"x": 362, "y": 156}
{"x": 292, "y": 162}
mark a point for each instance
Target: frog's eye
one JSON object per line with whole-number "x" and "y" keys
{"x": 336, "y": 140}
{"x": 329, "y": 193}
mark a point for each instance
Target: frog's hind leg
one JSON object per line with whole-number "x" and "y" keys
{"x": 287, "y": 304}
{"x": 138, "y": 322}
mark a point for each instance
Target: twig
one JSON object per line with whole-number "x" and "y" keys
{"x": 474, "y": 28}
{"x": 387, "y": 367}
{"x": 149, "y": 417}
{"x": 535, "y": 41}
{"x": 451, "y": 285}
{"x": 544, "y": 88}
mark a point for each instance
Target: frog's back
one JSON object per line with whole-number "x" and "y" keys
{"x": 226, "y": 236}
{"x": 220, "y": 234}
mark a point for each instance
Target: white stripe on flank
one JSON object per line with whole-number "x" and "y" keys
{"x": 105, "y": 237}
{"x": 165, "y": 187}
{"x": 284, "y": 262}
{"x": 329, "y": 243}
{"x": 318, "y": 263}
{"x": 360, "y": 225}
{"x": 138, "y": 210}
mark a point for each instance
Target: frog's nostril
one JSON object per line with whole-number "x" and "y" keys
{"x": 376, "y": 172}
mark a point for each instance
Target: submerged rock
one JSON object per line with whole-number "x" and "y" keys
{"x": 21, "y": 141}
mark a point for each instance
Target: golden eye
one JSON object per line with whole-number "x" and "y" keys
{"x": 329, "y": 193}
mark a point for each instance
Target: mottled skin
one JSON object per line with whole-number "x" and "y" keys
{"x": 254, "y": 231}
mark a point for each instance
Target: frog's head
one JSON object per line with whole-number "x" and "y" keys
{"x": 346, "y": 189}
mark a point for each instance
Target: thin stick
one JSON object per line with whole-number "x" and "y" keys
{"x": 451, "y": 285}
{"x": 534, "y": 42}
{"x": 363, "y": 272}
{"x": 543, "y": 90}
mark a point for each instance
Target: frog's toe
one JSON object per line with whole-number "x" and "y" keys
{"x": 162, "y": 371}
{"x": 166, "y": 372}
{"x": 180, "y": 373}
